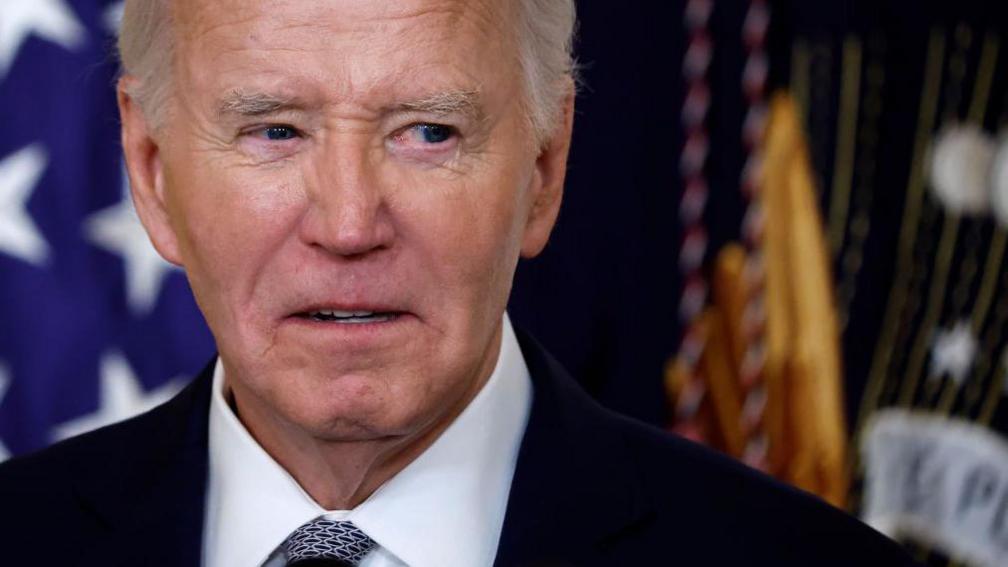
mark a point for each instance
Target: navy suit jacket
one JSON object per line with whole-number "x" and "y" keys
{"x": 590, "y": 488}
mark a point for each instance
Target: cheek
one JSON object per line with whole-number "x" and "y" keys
{"x": 470, "y": 235}
{"x": 229, "y": 224}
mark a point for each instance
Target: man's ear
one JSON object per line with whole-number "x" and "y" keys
{"x": 548, "y": 181}
{"x": 146, "y": 174}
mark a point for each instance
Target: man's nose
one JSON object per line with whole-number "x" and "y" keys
{"x": 347, "y": 214}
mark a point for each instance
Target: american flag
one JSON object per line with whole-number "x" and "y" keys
{"x": 94, "y": 325}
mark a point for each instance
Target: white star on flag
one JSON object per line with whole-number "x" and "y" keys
{"x": 121, "y": 396}
{"x": 118, "y": 230}
{"x": 19, "y": 237}
{"x": 52, "y": 20}
{"x": 4, "y": 382}
{"x": 953, "y": 352}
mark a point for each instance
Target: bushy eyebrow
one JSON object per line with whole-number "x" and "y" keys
{"x": 467, "y": 103}
{"x": 239, "y": 102}
{"x": 243, "y": 103}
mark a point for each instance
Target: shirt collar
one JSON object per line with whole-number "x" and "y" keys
{"x": 444, "y": 509}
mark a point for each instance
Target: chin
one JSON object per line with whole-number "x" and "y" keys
{"x": 348, "y": 411}
{"x": 343, "y": 430}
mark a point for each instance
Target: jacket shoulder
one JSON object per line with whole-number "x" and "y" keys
{"x": 45, "y": 488}
{"x": 724, "y": 506}
{"x": 44, "y": 478}
{"x": 109, "y": 462}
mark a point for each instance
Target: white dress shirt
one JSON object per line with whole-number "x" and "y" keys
{"x": 445, "y": 509}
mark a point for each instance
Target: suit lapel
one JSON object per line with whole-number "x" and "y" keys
{"x": 151, "y": 492}
{"x": 574, "y": 488}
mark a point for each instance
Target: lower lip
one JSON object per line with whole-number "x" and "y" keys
{"x": 357, "y": 334}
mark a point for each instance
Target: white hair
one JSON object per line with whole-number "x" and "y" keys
{"x": 545, "y": 53}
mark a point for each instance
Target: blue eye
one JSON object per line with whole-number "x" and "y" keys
{"x": 280, "y": 133}
{"x": 434, "y": 133}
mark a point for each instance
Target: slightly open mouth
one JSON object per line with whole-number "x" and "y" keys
{"x": 349, "y": 317}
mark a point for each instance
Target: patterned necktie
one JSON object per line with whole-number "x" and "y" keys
{"x": 327, "y": 539}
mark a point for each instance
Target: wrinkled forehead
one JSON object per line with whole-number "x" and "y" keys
{"x": 343, "y": 43}
{"x": 199, "y": 16}
{"x": 309, "y": 24}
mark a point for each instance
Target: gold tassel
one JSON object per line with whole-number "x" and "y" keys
{"x": 804, "y": 353}
{"x": 802, "y": 419}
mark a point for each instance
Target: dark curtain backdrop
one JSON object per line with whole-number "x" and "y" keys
{"x": 604, "y": 295}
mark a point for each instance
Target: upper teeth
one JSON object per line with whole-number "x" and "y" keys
{"x": 343, "y": 313}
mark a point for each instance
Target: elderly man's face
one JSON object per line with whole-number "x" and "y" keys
{"x": 349, "y": 185}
